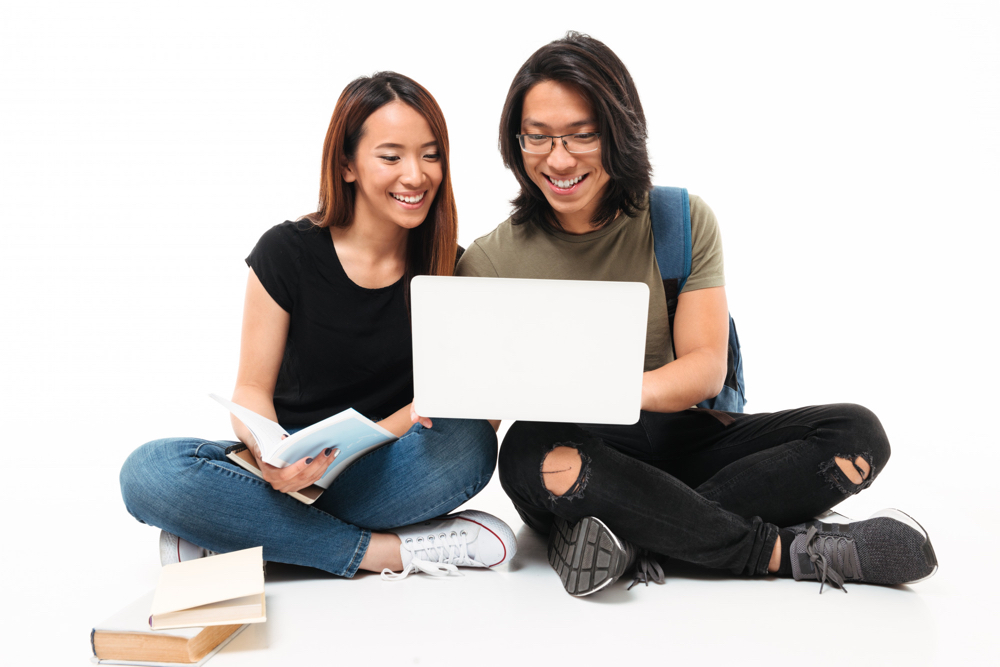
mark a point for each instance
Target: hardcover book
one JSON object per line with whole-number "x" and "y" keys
{"x": 126, "y": 639}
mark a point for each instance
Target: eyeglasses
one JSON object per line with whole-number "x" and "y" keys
{"x": 580, "y": 142}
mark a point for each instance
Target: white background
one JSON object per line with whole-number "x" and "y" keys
{"x": 849, "y": 150}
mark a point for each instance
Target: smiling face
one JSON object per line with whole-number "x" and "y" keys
{"x": 396, "y": 169}
{"x": 572, "y": 182}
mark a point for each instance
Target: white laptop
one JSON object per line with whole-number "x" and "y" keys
{"x": 535, "y": 350}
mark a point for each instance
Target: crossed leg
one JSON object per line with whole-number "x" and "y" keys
{"x": 778, "y": 469}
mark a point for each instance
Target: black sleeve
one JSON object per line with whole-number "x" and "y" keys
{"x": 276, "y": 261}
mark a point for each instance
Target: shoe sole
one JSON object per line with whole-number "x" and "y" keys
{"x": 830, "y": 516}
{"x": 587, "y": 556}
{"x": 927, "y": 549}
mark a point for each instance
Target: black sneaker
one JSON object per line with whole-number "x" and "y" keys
{"x": 889, "y": 548}
{"x": 587, "y": 555}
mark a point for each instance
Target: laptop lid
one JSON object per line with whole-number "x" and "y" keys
{"x": 536, "y": 350}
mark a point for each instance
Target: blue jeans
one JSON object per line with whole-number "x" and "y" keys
{"x": 188, "y": 487}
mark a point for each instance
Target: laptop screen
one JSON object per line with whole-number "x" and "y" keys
{"x": 538, "y": 350}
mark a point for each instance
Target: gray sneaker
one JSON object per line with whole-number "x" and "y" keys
{"x": 174, "y": 549}
{"x": 889, "y": 548}
{"x": 587, "y": 556}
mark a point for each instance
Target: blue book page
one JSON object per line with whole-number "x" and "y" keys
{"x": 348, "y": 435}
{"x": 354, "y": 436}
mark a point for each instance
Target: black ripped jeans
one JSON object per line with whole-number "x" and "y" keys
{"x": 702, "y": 486}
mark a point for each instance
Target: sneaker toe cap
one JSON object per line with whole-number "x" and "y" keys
{"x": 495, "y": 543}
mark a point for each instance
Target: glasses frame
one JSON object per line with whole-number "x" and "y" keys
{"x": 520, "y": 141}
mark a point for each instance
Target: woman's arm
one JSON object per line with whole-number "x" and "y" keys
{"x": 701, "y": 341}
{"x": 262, "y": 345}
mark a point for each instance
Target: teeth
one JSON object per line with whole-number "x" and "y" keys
{"x": 565, "y": 184}
{"x": 409, "y": 200}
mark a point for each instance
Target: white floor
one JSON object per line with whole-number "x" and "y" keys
{"x": 95, "y": 558}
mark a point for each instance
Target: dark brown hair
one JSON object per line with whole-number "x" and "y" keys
{"x": 600, "y": 76}
{"x": 431, "y": 247}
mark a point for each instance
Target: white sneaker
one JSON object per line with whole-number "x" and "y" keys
{"x": 174, "y": 549}
{"x": 439, "y": 546}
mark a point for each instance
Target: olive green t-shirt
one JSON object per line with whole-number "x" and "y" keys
{"x": 621, "y": 250}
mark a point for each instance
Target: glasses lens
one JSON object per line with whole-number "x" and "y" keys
{"x": 583, "y": 142}
{"x": 536, "y": 143}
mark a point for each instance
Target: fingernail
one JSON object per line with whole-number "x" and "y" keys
{"x": 308, "y": 461}
{"x": 328, "y": 451}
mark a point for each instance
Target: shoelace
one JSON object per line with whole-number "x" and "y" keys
{"x": 821, "y": 549}
{"x": 646, "y": 569}
{"x": 439, "y": 557}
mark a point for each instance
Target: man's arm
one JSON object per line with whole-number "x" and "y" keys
{"x": 701, "y": 340}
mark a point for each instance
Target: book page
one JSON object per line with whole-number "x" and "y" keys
{"x": 249, "y": 609}
{"x": 266, "y": 432}
{"x": 349, "y": 431}
{"x": 199, "y": 582}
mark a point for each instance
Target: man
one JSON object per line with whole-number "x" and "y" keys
{"x": 725, "y": 490}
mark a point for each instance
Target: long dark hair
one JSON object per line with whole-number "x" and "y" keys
{"x": 601, "y": 77}
{"x": 431, "y": 247}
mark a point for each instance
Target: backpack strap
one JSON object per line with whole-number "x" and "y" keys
{"x": 670, "y": 217}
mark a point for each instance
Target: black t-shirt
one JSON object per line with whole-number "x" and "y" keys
{"x": 348, "y": 346}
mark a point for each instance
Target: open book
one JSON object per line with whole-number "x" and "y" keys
{"x": 225, "y": 589}
{"x": 349, "y": 431}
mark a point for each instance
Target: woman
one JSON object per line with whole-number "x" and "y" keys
{"x": 724, "y": 490}
{"x": 326, "y": 327}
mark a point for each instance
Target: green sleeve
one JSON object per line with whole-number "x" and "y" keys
{"x": 475, "y": 263}
{"x": 706, "y": 248}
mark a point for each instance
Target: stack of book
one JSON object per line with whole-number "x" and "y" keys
{"x": 197, "y": 608}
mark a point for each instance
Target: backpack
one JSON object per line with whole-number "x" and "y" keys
{"x": 670, "y": 214}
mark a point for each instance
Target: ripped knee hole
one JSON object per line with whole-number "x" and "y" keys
{"x": 561, "y": 471}
{"x": 848, "y": 473}
{"x": 856, "y": 471}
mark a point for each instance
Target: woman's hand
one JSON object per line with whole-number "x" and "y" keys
{"x": 414, "y": 418}
{"x": 426, "y": 422}
{"x": 299, "y": 475}
{"x": 400, "y": 421}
